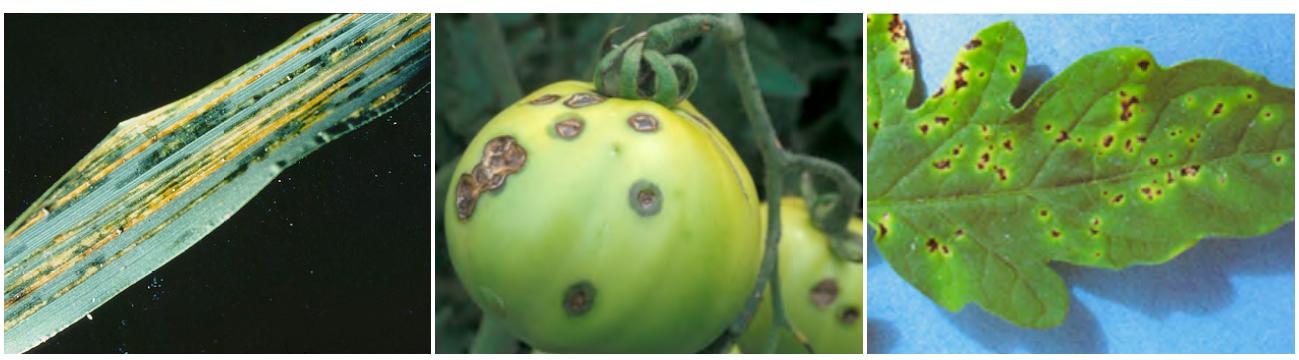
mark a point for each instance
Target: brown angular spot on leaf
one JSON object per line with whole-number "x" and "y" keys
{"x": 973, "y": 44}
{"x": 1094, "y": 231}
{"x": 960, "y": 232}
{"x": 1096, "y": 221}
{"x": 1001, "y": 173}
{"x": 1055, "y": 233}
{"x": 643, "y": 122}
{"x": 932, "y": 245}
{"x": 884, "y": 230}
{"x": 944, "y": 249}
{"x": 1143, "y": 64}
{"x": 1168, "y": 177}
{"x": 924, "y": 129}
{"x": 897, "y": 29}
{"x": 956, "y": 151}
{"x": 1047, "y": 127}
{"x": 1117, "y": 199}
{"x": 960, "y": 83}
{"x": 1064, "y": 136}
{"x": 960, "y": 76}
{"x": 1127, "y": 145}
{"x": 1141, "y": 139}
{"x": 875, "y": 125}
{"x": 1249, "y": 96}
{"x": 544, "y": 99}
{"x": 1190, "y": 170}
{"x": 583, "y": 99}
{"x": 1268, "y": 115}
{"x": 908, "y": 61}
{"x": 1154, "y": 161}
{"x": 1014, "y": 69}
{"x": 1147, "y": 192}
{"x": 824, "y": 293}
{"x": 1127, "y": 105}
{"x": 939, "y": 92}
{"x": 941, "y": 120}
{"x": 942, "y": 164}
{"x": 1006, "y": 144}
{"x": 1217, "y": 109}
{"x": 1109, "y": 139}
{"x": 1042, "y": 213}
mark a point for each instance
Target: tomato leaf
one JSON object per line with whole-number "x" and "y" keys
{"x": 1115, "y": 161}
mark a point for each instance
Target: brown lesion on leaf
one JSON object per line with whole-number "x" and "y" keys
{"x": 907, "y": 59}
{"x": 1055, "y": 233}
{"x": 932, "y": 245}
{"x": 944, "y": 249}
{"x": 1217, "y": 109}
{"x": 1043, "y": 213}
{"x": 1001, "y": 172}
{"x": 1148, "y": 192}
{"x": 959, "y": 232}
{"x": 875, "y": 125}
{"x": 1127, "y": 145}
{"x": 1249, "y": 96}
{"x": 939, "y": 93}
{"x": 883, "y": 230}
{"x": 1190, "y": 170}
{"x": 1168, "y": 177}
{"x": 960, "y": 76}
{"x": 983, "y": 161}
{"x": 1154, "y": 161}
{"x": 973, "y": 44}
{"x": 1143, "y": 64}
{"x": 1118, "y": 199}
{"x": 1094, "y": 231}
{"x": 1047, "y": 128}
{"x": 1267, "y": 115}
{"x": 924, "y": 129}
{"x": 941, "y": 120}
{"x": 943, "y": 164}
{"x": 1128, "y": 104}
{"x": 1107, "y": 141}
{"x": 897, "y": 28}
{"x": 1014, "y": 69}
{"x": 1008, "y": 145}
{"x": 1278, "y": 159}
{"x": 956, "y": 151}
{"x": 1064, "y": 136}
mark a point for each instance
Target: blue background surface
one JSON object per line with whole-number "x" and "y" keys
{"x": 1223, "y": 295}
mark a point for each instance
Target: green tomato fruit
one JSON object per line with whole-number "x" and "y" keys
{"x": 822, "y": 294}
{"x": 592, "y": 224}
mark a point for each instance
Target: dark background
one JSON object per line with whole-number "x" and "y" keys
{"x": 332, "y": 256}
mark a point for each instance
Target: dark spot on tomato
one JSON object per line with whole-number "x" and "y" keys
{"x": 850, "y": 315}
{"x": 645, "y": 198}
{"x": 583, "y": 99}
{"x": 579, "y": 298}
{"x": 569, "y": 129}
{"x": 643, "y": 122}
{"x": 544, "y": 99}
{"x": 824, "y": 293}
{"x": 502, "y": 156}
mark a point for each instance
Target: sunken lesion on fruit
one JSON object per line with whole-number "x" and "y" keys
{"x": 544, "y": 99}
{"x": 645, "y": 197}
{"x": 502, "y": 157}
{"x": 850, "y": 315}
{"x": 569, "y": 127}
{"x": 823, "y": 293}
{"x": 642, "y": 122}
{"x": 579, "y": 298}
{"x": 583, "y": 99}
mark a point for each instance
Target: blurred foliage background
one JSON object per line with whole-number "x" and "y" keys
{"x": 809, "y": 68}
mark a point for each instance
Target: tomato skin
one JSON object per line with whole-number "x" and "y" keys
{"x": 806, "y": 262}
{"x": 621, "y": 225}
